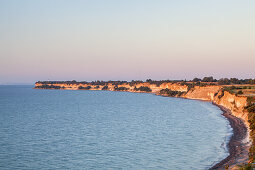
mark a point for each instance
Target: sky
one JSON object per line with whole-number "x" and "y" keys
{"x": 87, "y": 40}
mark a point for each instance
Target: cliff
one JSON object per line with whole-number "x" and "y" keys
{"x": 153, "y": 87}
{"x": 236, "y": 104}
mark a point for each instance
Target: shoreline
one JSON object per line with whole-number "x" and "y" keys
{"x": 238, "y": 150}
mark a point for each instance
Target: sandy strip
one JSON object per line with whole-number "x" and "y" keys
{"x": 238, "y": 150}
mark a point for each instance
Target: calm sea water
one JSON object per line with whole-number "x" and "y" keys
{"x": 62, "y": 129}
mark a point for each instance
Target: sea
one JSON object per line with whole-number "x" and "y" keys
{"x": 83, "y": 129}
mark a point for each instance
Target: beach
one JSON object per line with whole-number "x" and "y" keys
{"x": 237, "y": 147}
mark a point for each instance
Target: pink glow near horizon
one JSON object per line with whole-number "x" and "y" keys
{"x": 99, "y": 40}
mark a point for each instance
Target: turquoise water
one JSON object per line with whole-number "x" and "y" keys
{"x": 62, "y": 129}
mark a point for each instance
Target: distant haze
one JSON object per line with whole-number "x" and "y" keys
{"x": 125, "y": 40}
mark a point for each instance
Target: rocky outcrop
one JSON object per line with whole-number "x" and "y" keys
{"x": 203, "y": 93}
{"x": 155, "y": 88}
{"x": 234, "y": 103}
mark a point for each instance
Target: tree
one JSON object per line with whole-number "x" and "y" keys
{"x": 169, "y": 92}
{"x": 143, "y": 88}
{"x": 234, "y": 81}
{"x": 105, "y": 88}
{"x": 224, "y": 81}
{"x": 120, "y": 88}
{"x": 149, "y": 80}
{"x": 240, "y": 92}
{"x": 208, "y": 79}
{"x": 84, "y": 88}
{"x": 196, "y": 80}
{"x": 251, "y": 109}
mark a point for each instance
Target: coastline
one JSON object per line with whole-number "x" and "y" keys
{"x": 238, "y": 150}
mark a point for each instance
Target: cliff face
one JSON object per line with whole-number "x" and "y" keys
{"x": 203, "y": 93}
{"x": 235, "y": 104}
{"x": 174, "y": 87}
{"x": 153, "y": 87}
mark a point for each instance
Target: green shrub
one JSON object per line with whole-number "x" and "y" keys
{"x": 202, "y": 84}
{"x": 240, "y": 92}
{"x": 248, "y": 166}
{"x": 46, "y": 86}
{"x": 120, "y": 88}
{"x": 252, "y": 126}
{"x": 251, "y": 109}
{"x": 252, "y": 153}
{"x": 221, "y": 95}
{"x": 169, "y": 92}
{"x": 208, "y": 79}
{"x": 250, "y": 100}
{"x": 223, "y": 81}
{"x": 230, "y": 89}
{"x": 196, "y": 80}
{"x": 143, "y": 88}
{"x": 180, "y": 93}
{"x": 251, "y": 119}
{"x": 84, "y": 88}
{"x": 105, "y": 88}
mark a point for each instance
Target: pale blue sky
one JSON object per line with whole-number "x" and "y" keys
{"x": 125, "y": 40}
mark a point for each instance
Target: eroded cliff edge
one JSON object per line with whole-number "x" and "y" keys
{"x": 216, "y": 94}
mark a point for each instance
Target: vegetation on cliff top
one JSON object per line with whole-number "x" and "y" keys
{"x": 251, "y": 119}
{"x": 143, "y": 89}
{"x": 105, "y": 88}
{"x": 116, "y": 88}
{"x": 84, "y": 88}
{"x": 248, "y": 166}
{"x": 196, "y": 81}
{"x": 170, "y": 93}
{"x": 239, "y": 90}
{"x": 46, "y": 86}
